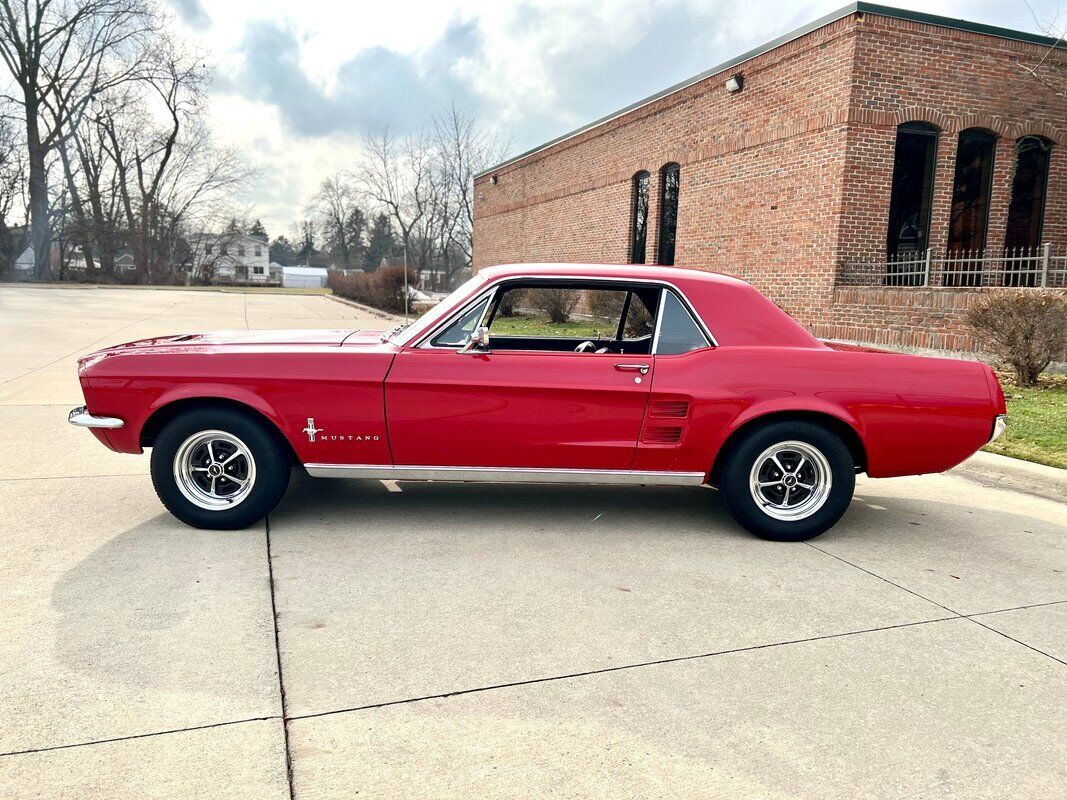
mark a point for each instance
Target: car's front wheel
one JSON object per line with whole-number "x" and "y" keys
{"x": 218, "y": 468}
{"x": 788, "y": 481}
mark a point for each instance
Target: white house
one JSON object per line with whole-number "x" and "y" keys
{"x": 304, "y": 277}
{"x": 229, "y": 257}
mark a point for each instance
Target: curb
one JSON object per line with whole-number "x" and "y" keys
{"x": 377, "y": 312}
{"x": 992, "y": 469}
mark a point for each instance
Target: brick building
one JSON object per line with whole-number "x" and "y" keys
{"x": 874, "y": 173}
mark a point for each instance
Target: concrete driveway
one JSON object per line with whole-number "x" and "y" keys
{"x": 435, "y": 640}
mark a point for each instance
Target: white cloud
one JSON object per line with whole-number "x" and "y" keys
{"x": 298, "y": 83}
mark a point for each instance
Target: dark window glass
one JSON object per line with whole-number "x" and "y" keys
{"x": 970, "y": 190}
{"x": 670, "y": 177}
{"x": 913, "y": 189}
{"x": 678, "y": 331}
{"x": 639, "y": 218}
{"x": 1028, "y": 192}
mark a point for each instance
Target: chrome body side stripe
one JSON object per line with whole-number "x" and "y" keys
{"x": 504, "y": 474}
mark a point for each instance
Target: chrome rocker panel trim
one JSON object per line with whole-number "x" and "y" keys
{"x": 386, "y": 472}
{"x": 81, "y": 417}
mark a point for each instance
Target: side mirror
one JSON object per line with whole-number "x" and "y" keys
{"x": 477, "y": 342}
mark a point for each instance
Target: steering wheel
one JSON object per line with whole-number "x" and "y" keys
{"x": 585, "y": 347}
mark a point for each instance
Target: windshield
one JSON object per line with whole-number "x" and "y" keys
{"x": 429, "y": 319}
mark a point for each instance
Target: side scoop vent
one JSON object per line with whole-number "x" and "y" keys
{"x": 672, "y": 409}
{"x": 662, "y": 434}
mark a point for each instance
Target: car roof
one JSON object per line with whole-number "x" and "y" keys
{"x": 620, "y": 271}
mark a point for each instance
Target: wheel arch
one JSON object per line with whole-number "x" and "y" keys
{"x": 843, "y": 429}
{"x": 168, "y": 411}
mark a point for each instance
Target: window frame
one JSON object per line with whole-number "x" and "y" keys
{"x": 929, "y": 189}
{"x": 640, "y": 178}
{"x": 424, "y": 341}
{"x": 671, "y": 166}
{"x": 1045, "y": 144}
{"x": 989, "y": 174}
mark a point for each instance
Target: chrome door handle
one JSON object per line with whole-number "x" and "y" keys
{"x": 642, "y": 368}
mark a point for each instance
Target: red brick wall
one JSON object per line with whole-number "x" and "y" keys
{"x": 786, "y": 180}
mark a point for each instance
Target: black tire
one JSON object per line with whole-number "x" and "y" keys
{"x": 268, "y": 471}
{"x": 814, "y": 439}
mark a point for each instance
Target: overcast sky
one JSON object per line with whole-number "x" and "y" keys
{"x": 299, "y": 82}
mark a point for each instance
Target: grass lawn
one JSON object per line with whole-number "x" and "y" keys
{"x": 529, "y": 325}
{"x": 1037, "y": 423}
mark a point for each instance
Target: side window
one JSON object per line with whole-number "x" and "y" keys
{"x": 558, "y": 312}
{"x": 678, "y": 331}
{"x": 640, "y": 321}
{"x": 455, "y": 335}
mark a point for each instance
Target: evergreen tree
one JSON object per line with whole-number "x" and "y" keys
{"x": 281, "y": 251}
{"x": 257, "y": 230}
{"x": 380, "y": 242}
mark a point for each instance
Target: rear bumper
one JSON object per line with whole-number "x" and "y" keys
{"x": 1000, "y": 424}
{"x": 81, "y": 417}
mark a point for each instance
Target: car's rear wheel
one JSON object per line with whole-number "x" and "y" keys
{"x": 219, "y": 468}
{"x": 788, "y": 481}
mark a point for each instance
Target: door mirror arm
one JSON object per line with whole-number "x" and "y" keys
{"x": 477, "y": 343}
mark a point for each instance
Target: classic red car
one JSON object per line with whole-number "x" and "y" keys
{"x": 543, "y": 373}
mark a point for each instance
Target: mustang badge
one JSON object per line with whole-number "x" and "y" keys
{"x": 312, "y": 431}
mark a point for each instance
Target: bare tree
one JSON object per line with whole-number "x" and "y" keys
{"x": 463, "y": 151}
{"x": 61, "y": 53}
{"x": 400, "y": 177}
{"x": 1051, "y": 68}
{"x": 341, "y": 220}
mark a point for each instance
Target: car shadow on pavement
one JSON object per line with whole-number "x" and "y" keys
{"x": 429, "y": 504}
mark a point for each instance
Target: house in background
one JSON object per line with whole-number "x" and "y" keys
{"x": 875, "y": 173}
{"x": 275, "y": 270}
{"x": 230, "y": 258}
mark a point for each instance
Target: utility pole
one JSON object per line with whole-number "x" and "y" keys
{"x": 406, "y": 293}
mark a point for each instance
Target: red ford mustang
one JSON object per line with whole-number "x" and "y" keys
{"x": 543, "y": 373}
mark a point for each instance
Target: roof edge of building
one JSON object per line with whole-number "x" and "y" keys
{"x": 821, "y": 22}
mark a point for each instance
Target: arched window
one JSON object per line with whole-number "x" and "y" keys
{"x": 669, "y": 182}
{"x": 639, "y": 218}
{"x": 913, "y": 190}
{"x": 970, "y": 190}
{"x": 1027, "y": 209}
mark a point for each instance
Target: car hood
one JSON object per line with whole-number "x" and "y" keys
{"x": 311, "y": 337}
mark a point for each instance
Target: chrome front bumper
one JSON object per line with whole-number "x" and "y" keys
{"x": 1000, "y": 424}
{"x": 81, "y": 417}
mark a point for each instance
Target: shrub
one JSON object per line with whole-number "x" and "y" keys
{"x": 509, "y": 300}
{"x": 556, "y": 304}
{"x": 383, "y": 288}
{"x": 1025, "y": 329}
{"x": 605, "y": 305}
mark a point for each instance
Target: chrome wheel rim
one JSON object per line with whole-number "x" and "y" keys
{"x": 790, "y": 481}
{"x": 214, "y": 470}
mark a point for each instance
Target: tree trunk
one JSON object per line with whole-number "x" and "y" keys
{"x": 40, "y": 225}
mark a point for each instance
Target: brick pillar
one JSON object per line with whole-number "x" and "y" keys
{"x": 1055, "y": 226}
{"x": 1000, "y": 197}
{"x": 944, "y": 175}
{"x": 652, "y": 236}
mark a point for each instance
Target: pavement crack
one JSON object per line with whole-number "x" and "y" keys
{"x": 619, "y": 668}
{"x": 968, "y": 617}
{"x": 278, "y": 656}
{"x": 886, "y": 580}
{"x": 148, "y": 735}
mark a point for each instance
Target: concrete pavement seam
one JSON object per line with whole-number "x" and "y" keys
{"x": 278, "y": 656}
{"x": 210, "y": 725}
{"x": 969, "y": 618}
{"x": 619, "y": 668}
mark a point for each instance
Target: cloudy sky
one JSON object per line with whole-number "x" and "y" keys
{"x": 299, "y": 83}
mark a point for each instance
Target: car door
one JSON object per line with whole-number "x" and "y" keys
{"x": 543, "y": 406}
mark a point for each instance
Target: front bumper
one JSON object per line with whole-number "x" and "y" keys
{"x": 1000, "y": 424}
{"x": 81, "y": 417}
